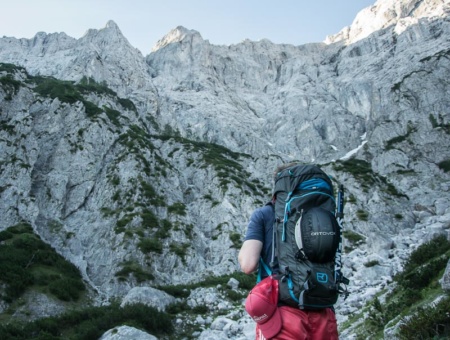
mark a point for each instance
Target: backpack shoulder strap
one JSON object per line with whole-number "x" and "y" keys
{"x": 262, "y": 266}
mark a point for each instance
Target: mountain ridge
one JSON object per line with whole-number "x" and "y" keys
{"x": 181, "y": 143}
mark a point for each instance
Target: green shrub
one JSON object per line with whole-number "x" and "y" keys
{"x": 426, "y": 252}
{"x": 444, "y": 165}
{"x": 417, "y": 281}
{"x": 179, "y": 291}
{"x": 177, "y": 208}
{"x": 66, "y": 289}
{"x": 246, "y": 282}
{"x": 11, "y": 68}
{"x": 409, "y": 130}
{"x": 5, "y": 235}
{"x": 424, "y": 264}
{"x": 10, "y": 86}
{"x": 351, "y": 199}
{"x": 362, "y": 215}
{"x": 149, "y": 245}
{"x": 113, "y": 115}
{"x": 371, "y": 263}
{"x": 149, "y": 220}
{"x": 89, "y": 85}
{"x": 420, "y": 277}
{"x": 431, "y": 322}
{"x": 179, "y": 249}
{"x": 127, "y": 104}
{"x": 164, "y": 230}
{"x": 236, "y": 240}
{"x": 201, "y": 309}
{"x": 234, "y": 296}
{"x": 177, "y": 308}
{"x": 120, "y": 225}
{"x": 136, "y": 270}
{"x": 439, "y": 124}
{"x": 90, "y": 323}
{"x": 360, "y": 169}
{"x": 54, "y": 88}
{"x": 26, "y": 260}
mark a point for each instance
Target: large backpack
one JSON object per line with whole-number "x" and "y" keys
{"x": 307, "y": 238}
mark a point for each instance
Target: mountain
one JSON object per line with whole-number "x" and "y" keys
{"x": 143, "y": 170}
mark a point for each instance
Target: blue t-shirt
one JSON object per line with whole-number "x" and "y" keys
{"x": 260, "y": 227}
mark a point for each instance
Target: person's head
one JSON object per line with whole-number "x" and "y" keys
{"x": 280, "y": 168}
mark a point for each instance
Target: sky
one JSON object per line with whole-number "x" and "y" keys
{"x": 222, "y": 22}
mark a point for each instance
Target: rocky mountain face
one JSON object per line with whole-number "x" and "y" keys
{"x": 151, "y": 165}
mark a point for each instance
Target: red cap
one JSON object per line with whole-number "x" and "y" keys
{"x": 262, "y": 306}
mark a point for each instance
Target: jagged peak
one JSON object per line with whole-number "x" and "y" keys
{"x": 112, "y": 24}
{"x": 175, "y": 35}
{"x": 385, "y": 13}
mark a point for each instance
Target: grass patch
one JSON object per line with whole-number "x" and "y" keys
{"x": 363, "y": 173}
{"x": 90, "y": 323}
{"x": 177, "y": 209}
{"x": 416, "y": 286}
{"x": 438, "y": 123}
{"x": 428, "y": 322}
{"x": 133, "y": 268}
{"x": 28, "y": 261}
{"x": 362, "y": 215}
{"x": 236, "y": 240}
{"x": 353, "y": 237}
{"x": 150, "y": 245}
{"x": 180, "y": 250}
{"x": 444, "y": 165}
{"x": 390, "y": 144}
{"x": 246, "y": 282}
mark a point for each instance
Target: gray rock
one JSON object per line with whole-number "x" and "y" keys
{"x": 445, "y": 280}
{"x": 126, "y": 333}
{"x": 377, "y": 92}
{"x": 233, "y": 283}
{"x": 148, "y": 296}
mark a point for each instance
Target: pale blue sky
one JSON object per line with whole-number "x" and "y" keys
{"x": 222, "y": 22}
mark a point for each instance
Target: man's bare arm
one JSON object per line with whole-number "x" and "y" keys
{"x": 249, "y": 255}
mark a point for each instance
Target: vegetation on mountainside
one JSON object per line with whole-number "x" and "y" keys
{"x": 10, "y": 86}
{"x": 445, "y": 165}
{"x": 439, "y": 123}
{"x": 135, "y": 269}
{"x": 11, "y": 68}
{"x": 352, "y": 240}
{"x": 366, "y": 177}
{"x": 223, "y": 160}
{"x": 28, "y": 262}
{"x": 409, "y": 300}
{"x": 71, "y": 92}
{"x": 139, "y": 144}
{"x": 246, "y": 282}
{"x": 390, "y": 144}
{"x": 90, "y": 323}
{"x": 7, "y": 81}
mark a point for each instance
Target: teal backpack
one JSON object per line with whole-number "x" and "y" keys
{"x": 307, "y": 240}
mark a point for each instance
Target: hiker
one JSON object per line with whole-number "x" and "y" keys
{"x": 275, "y": 319}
